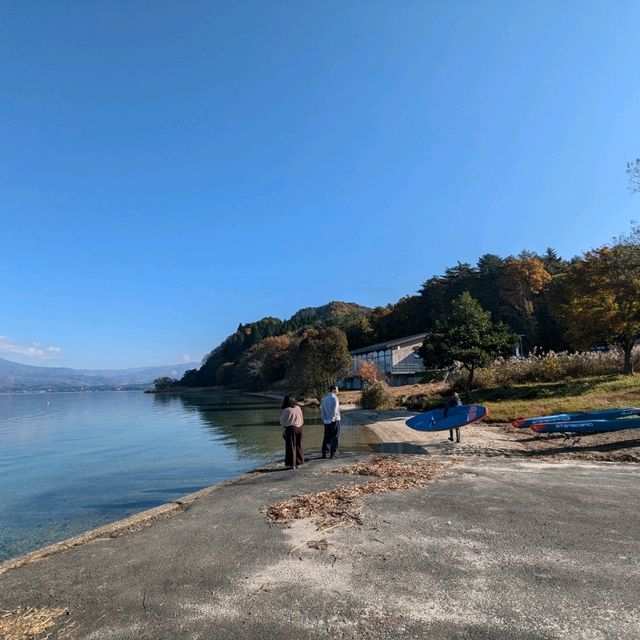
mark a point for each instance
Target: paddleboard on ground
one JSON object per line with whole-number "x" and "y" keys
{"x": 586, "y": 426}
{"x": 455, "y": 417}
{"x": 602, "y": 414}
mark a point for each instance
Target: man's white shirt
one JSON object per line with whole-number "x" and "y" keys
{"x": 330, "y": 408}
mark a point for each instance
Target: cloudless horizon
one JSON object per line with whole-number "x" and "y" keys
{"x": 168, "y": 170}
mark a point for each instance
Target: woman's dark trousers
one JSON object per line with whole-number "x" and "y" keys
{"x": 293, "y": 451}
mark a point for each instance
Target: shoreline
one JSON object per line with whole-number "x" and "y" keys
{"x": 385, "y": 430}
{"x": 373, "y": 434}
{"x": 123, "y": 526}
{"x": 148, "y": 517}
{"x": 223, "y": 569}
{"x": 275, "y": 395}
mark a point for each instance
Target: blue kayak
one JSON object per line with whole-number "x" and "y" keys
{"x": 602, "y": 414}
{"x": 586, "y": 426}
{"x": 456, "y": 417}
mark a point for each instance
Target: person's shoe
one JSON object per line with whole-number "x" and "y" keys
{"x": 451, "y": 438}
{"x": 324, "y": 455}
{"x": 333, "y": 455}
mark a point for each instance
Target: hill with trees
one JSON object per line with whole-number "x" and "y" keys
{"x": 259, "y": 353}
{"x": 548, "y": 303}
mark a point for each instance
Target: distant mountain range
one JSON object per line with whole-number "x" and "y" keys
{"x": 25, "y": 377}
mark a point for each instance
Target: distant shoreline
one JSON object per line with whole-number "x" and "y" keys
{"x": 172, "y": 390}
{"x": 89, "y": 390}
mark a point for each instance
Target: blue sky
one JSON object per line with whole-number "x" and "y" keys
{"x": 169, "y": 169}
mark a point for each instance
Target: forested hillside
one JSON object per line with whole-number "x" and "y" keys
{"x": 552, "y": 304}
{"x": 245, "y": 358}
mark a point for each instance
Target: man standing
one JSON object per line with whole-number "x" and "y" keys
{"x": 330, "y": 414}
{"x": 454, "y": 401}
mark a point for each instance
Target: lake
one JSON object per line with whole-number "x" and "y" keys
{"x": 70, "y": 462}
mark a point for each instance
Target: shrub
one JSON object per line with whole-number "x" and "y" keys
{"x": 423, "y": 396}
{"x": 377, "y": 396}
{"x": 418, "y": 402}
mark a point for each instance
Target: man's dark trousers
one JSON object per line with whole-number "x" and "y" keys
{"x": 330, "y": 440}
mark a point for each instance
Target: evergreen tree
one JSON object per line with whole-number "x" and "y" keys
{"x": 466, "y": 335}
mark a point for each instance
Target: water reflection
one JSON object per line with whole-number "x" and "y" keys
{"x": 73, "y": 461}
{"x": 251, "y": 423}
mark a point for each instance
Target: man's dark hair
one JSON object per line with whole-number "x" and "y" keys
{"x": 289, "y": 402}
{"x": 333, "y": 387}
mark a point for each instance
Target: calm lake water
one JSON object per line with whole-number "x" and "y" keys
{"x": 74, "y": 461}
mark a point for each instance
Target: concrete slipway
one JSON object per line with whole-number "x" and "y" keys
{"x": 492, "y": 548}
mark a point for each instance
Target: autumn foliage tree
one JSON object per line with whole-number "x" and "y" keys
{"x": 521, "y": 282}
{"x": 321, "y": 359}
{"x": 601, "y": 301}
{"x": 267, "y": 361}
{"x": 556, "y": 304}
{"x": 369, "y": 372}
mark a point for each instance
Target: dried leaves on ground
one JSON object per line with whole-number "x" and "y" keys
{"x": 392, "y": 467}
{"x": 27, "y": 622}
{"x": 342, "y": 505}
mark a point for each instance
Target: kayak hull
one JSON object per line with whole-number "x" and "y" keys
{"x": 586, "y": 426}
{"x": 602, "y": 414}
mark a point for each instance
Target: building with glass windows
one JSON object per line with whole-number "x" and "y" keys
{"x": 397, "y": 360}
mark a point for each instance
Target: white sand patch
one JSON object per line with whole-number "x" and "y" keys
{"x": 115, "y": 633}
{"x": 299, "y": 531}
{"x": 225, "y": 607}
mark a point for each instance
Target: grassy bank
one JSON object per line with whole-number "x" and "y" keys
{"x": 541, "y": 398}
{"x": 526, "y": 400}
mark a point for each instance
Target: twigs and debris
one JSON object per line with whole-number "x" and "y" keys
{"x": 338, "y": 505}
{"x": 341, "y": 506}
{"x": 318, "y": 545}
{"x": 25, "y": 623}
{"x": 391, "y": 467}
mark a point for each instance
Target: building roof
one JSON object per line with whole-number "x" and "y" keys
{"x": 381, "y": 346}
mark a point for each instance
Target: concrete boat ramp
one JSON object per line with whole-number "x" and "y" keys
{"x": 490, "y": 548}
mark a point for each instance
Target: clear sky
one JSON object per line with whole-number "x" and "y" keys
{"x": 169, "y": 169}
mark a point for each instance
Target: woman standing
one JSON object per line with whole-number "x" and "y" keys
{"x": 291, "y": 421}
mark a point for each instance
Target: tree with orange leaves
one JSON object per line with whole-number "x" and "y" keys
{"x": 522, "y": 280}
{"x": 369, "y": 372}
{"x": 602, "y": 298}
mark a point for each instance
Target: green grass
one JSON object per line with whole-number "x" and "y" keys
{"x": 541, "y": 398}
{"x": 544, "y": 398}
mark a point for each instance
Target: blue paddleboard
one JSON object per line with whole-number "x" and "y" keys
{"x": 586, "y": 426}
{"x": 602, "y": 414}
{"x": 456, "y": 417}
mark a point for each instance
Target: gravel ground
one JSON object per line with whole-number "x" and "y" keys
{"x": 498, "y": 440}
